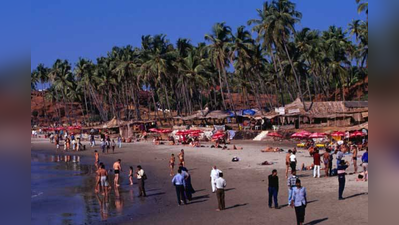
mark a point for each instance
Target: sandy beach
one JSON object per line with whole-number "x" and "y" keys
{"x": 246, "y": 196}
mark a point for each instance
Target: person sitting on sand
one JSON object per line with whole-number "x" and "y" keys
{"x": 235, "y": 148}
{"x": 361, "y": 177}
{"x": 304, "y": 168}
{"x": 172, "y": 141}
{"x": 270, "y": 149}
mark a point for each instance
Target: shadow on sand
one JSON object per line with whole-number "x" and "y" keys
{"x": 237, "y": 205}
{"x": 356, "y": 195}
{"x": 316, "y": 221}
{"x": 200, "y": 197}
{"x": 229, "y": 189}
{"x": 156, "y": 194}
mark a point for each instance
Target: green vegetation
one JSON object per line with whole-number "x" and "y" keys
{"x": 280, "y": 61}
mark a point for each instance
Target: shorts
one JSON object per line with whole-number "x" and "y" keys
{"x": 354, "y": 158}
{"x": 116, "y": 171}
{"x": 103, "y": 181}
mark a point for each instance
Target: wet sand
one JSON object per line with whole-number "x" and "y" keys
{"x": 246, "y": 196}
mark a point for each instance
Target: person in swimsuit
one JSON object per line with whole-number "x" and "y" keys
{"x": 117, "y": 169}
{"x": 354, "y": 157}
{"x": 103, "y": 174}
{"x": 287, "y": 163}
{"x": 181, "y": 158}
{"x": 172, "y": 164}
{"x": 97, "y": 159}
{"x": 131, "y": 175}
{"x": 326, "y": 159}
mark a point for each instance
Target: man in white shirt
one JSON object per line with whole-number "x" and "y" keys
{"x": 141, "y": 177}
{"x": 220, "y": 184}
{"x": 293, "y": 161}
{"x": 214, "y": 175}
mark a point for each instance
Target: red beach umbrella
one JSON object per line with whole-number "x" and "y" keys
{"x": 195, "y": 131}
{"x": 299, "y": 135}
{"x": 60, "y": 128}
{"x": 195, "y": 135}
{"x": 77, "y": 127}
{"x": 338, "y": 134}
{"x": 71, "y": 128}
{"x": 181, "y": 132}
{"x": 153, "y": 130}
{"x": 305, "y": 133}
{"x": 274, "y": 134}
{"x": 357, "y": 134}
{"x": 318, "y": 135}
{"x": 165, "y": 131}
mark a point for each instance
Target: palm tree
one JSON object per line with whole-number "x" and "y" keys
{"x": 220, "y": 54}
{"x": 62, "y": 78}
{"x": 363, "y": 6}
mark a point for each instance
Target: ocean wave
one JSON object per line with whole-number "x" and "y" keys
{"x": 36, "y": 195}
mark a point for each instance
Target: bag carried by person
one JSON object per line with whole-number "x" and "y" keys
{"x": 144, "y": 177}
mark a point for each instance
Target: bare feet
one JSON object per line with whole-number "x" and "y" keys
{"x": 217, "y": 210}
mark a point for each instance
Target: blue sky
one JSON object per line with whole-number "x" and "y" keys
{"x": 89, "y": 28}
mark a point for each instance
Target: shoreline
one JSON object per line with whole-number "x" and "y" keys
{"x": 246, "y": 196}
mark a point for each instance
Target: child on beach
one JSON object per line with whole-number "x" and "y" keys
{"x": 172, "y": 164}
{"x": 113, "y": 144}
{"x": 131, "y": 175}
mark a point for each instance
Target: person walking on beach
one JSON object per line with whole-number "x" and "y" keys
{"x": 181, "y": 158}
{"x": 341, "y": 179}
{"x": 299, "y": 201}
{"x": 113, "y": 144}
{"x": 57, "y": 141}
{"x": 287, "y": 163}
{"x": 172, "y": 164}
{"x": 141, "y": 177}
{"x": 179, "y": 182}
{"x": 291, "y": 184}
{"x": 103, "y": 178}
{"x": 220, "y": 186}
{"x": 340, "y": 156}
{"x": 273, "y": 189}
{"x": 131, "y": 176}
{"x": 189, "y": 190}
{"x": 316, "y": 162}
{"x": 108, "y": 144}
{"x": 119, "y": 142}
{"x": 103, "y": 145}
{"x": 97, "y": 159}
{"x": 214, "y": 175}
{"x": 365, "y": 164}
{"x": 293, "y": 161}
{"x": 326, "y": 161}
{"x": 92, "y": 140}
{"x": 354, "y": 157}
{"x": 117, "y": 170}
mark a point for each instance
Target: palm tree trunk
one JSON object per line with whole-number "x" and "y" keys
{"x": 296, "y": 76}
{"x": 278, "y": 78}
{"x": 221, "y": 90}
{"x": 228, "y": 91}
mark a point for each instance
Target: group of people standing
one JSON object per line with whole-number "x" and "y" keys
{"x": 102, "y": 176}
{"x": 70, "y": 141}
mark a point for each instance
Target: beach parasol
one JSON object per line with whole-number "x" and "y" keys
{"x": 195, "y": 131}
{"x": 318, "y": 135}
{"x": 274, "y": 134}
{"x": 218, "y": 136}
{"x": 77, "y": 127}
{"x": 182, "y": 132}
{"x": 71, "y": 128}
{"x": 165, "y": 131}
{"x": 356, "y": 134}
{"x": 338, "y": 134}
{"x": 60, "y": 128}
{"x": 153, "y": 130}
{"x": 195, "y": 134}
{"x": 300, "y": 135}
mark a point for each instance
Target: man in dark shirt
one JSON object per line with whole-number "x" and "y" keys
{"x": 273, "y": 189}
{"x": 341, "y": 179}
